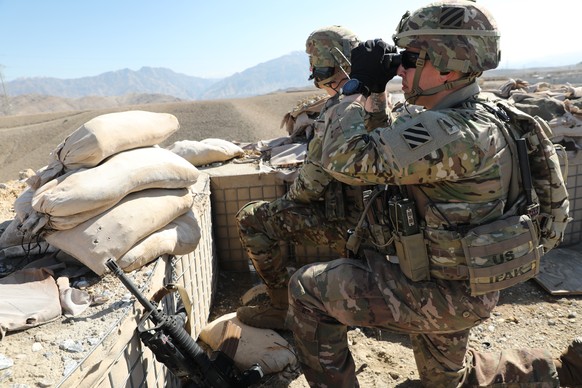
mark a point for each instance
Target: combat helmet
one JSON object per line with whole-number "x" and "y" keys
{"x": 329, "y": 48}
{"x": 455, "y": 35}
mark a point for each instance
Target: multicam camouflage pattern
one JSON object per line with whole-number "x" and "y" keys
{"x": 450, "y": 156}
{"x": 457, "y": 35}
{"x": 327, "y": 297}
{"x": 457, "y": 167}
{"x": 316, "y": 208}
{"x": 330, "y": 47}
{"x": 547, "y": 179}
{"x": 264, "y": 225}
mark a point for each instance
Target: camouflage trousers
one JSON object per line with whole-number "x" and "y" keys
{"x": 325, "y": 298}
{"x": 264, "y": 225}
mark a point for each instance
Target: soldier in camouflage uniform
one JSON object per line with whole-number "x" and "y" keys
{"x": 317, "y": 208}
{"x": 452, "y": 162}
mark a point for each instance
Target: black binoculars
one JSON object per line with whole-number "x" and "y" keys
{"x": 391, "y": 62}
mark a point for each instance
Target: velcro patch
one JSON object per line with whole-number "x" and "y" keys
{"x": 451, "y": 17}
{"x": 413, "y": 138}
{"x": 416, "y": 135}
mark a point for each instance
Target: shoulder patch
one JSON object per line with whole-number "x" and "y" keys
{"x": 412, "y": 138}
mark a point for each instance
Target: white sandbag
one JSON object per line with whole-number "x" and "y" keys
{"x": 113, "y": 233}
{"x": 104, "y": 136}
{"x": 263, "y": 346}
{"x": 179, "y": 237}
{"x": 207, "y": 151}
{"x": 126, "y": 172}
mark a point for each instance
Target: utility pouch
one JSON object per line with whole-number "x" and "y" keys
{"x": 335, "y": 201}
{"x": 412, "y": 256}
{"x": 408, "y": 239}
{"x": 502, "y": 253}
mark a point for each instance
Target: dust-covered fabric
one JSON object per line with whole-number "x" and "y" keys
{"x": 179, "y": 237}
{"x": 79, "y": 195}
{"x": 103, "y": 136}
{"x": 206, "y": 151}
{"x": 114, "y": 232}
{"x": 30, "y": 297}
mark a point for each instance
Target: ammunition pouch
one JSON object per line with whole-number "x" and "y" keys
{"x": 502, "y": 253}
{"x": 412, "y": 256}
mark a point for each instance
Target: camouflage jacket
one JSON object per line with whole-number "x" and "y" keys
{"x": 453, "y": 160}
{"x": 313, "y": 180}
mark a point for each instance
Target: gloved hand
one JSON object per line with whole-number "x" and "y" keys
{"x": 371, "y": 64}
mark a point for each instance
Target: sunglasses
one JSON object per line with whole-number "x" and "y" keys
{"x": 321, "y": 73}
{"x": 409, "y": 58}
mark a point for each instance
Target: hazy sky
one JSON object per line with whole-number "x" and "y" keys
{"x": 217, "y": 38}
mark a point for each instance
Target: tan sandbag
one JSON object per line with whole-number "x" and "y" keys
{"x": 12, "y": 236}
{"x": 113, "y": 233}
{"x": 104, "y": 136}
{"x": 126, "y": 172}
{"x": 30, "y": 297}
{"x": 179, "y": 237}
{"x": 263, "y": 346}
{"x": 207, "y": 151}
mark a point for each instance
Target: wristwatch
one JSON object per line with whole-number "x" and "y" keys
{"x": 354, "y": 86}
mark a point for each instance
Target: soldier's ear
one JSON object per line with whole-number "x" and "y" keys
{"x": 449, "y": 76}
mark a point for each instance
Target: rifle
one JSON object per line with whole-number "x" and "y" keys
{"x": 177, "y": 350}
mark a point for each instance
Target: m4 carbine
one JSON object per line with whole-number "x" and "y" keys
{"x": 177, "y": 350}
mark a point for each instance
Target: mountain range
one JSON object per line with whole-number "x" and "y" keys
{"x": 288, "y": 71}
{"x": 161, "y": 85}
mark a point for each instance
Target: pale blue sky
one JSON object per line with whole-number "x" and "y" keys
{"x": 77, "y": 38}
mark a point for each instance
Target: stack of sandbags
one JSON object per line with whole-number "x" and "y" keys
{"x": 111, "y": 192}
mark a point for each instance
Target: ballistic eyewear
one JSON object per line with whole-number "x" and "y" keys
{"x": 321, "y": 73}
{"x": 409, "y": 58}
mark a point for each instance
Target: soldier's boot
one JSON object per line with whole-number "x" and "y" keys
{"x": 569, "y": 365}
{"x": 270, "y": 315}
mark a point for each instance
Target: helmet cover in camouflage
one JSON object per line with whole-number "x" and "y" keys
{"x": 458, "y": 35}
{"x": 330, "y": 47}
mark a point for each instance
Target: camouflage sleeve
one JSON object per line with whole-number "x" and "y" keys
{"x": 377, "y": 111}
{"x": 429, "y": 147}
{"x": 312, "y": 179}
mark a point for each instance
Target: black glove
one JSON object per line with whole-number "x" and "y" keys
{"x": 372, "y": 64}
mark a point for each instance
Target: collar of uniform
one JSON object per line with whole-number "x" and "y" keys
{"x": 458, "y": 96}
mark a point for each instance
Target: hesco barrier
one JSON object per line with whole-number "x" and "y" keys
{"x": 573, "y": 233}
{"x": 232, "y": 187}
{"x": 120, "y": 359}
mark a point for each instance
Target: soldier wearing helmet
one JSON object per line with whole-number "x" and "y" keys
{"x": 317, "y": 209}
{"x": 448, "y": 181}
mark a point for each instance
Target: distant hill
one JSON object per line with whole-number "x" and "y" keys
{"x": 159, "y": 85}
{"x": 288, "y": 71}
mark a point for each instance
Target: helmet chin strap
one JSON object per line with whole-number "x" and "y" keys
{"x": 328, "y": 82}
{"x": 418, "y": 92}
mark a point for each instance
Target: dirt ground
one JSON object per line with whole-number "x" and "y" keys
{"x": 527, "y": 316}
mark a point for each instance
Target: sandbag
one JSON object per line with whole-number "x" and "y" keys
{"x": 207, "y": 151}
{"x": 263, "y": 346}
{"x": 113, "y": 233}
{"x": 35, "y": 293}
{"x": 104, "y": 136}
{"x": 179, "y": 237}
{"x": 126, "y": 172}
